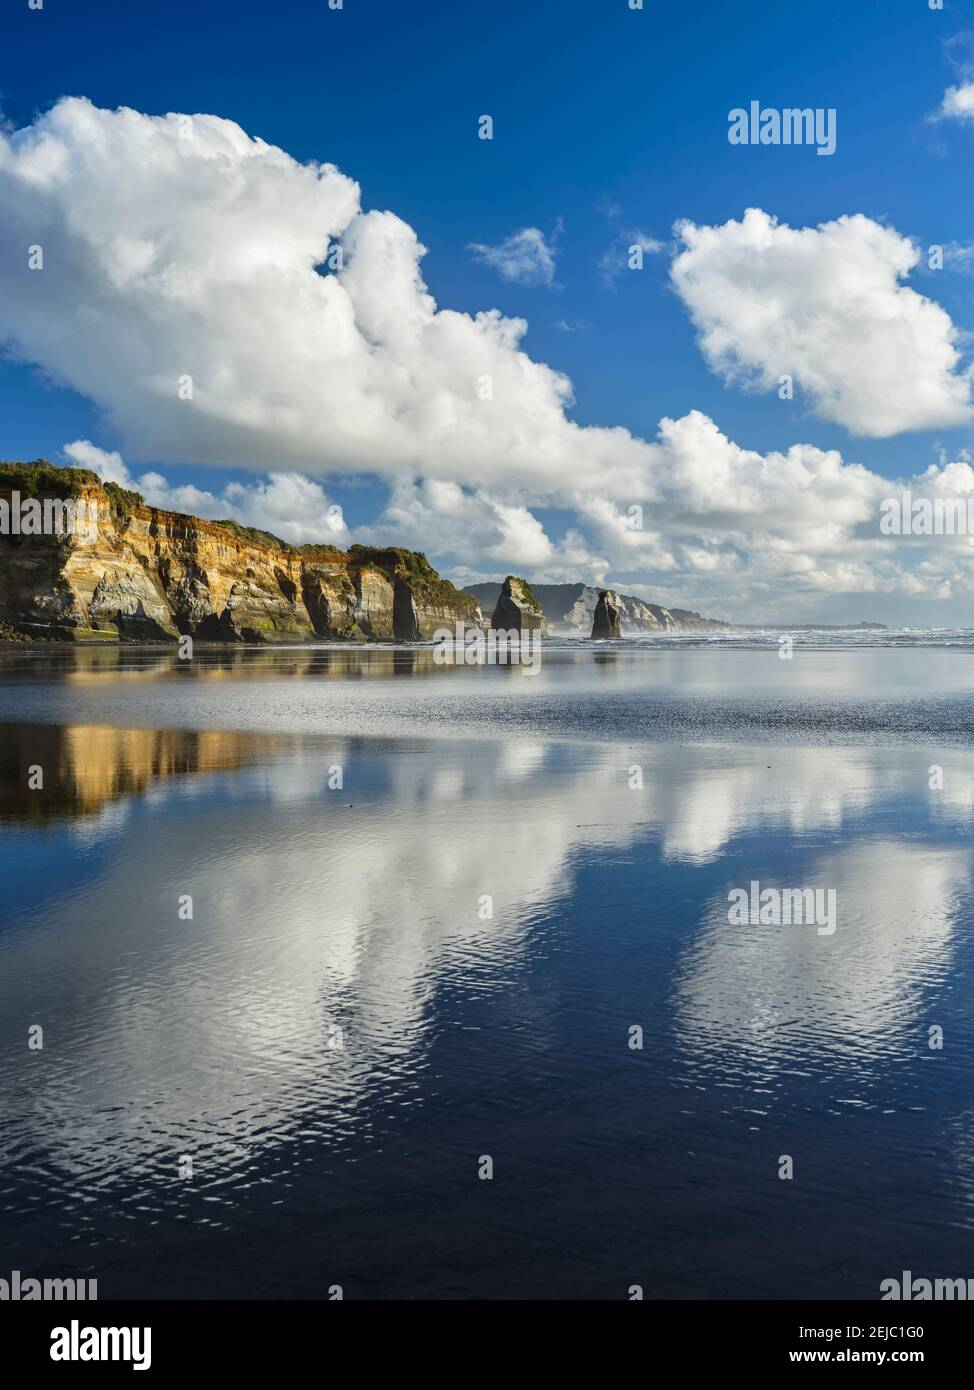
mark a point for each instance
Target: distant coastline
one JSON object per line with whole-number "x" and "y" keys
{"x": 143, "y": 574}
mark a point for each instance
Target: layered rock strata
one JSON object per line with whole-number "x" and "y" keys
{"x": 142, "y": 573}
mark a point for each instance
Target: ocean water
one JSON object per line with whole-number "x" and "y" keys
{"x": 431, "y": 907}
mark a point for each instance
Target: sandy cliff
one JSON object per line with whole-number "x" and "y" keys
{"x": 147, "y": 574}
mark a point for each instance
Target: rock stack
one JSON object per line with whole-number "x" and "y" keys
{"x": 517, "y": 609}
{"x": 605, "y": 625}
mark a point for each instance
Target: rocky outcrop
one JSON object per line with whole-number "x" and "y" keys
{"x": 605, "y": 624}
{"x": 518, "y": 610}
{"x": 142, "y": 573}
{"x": 635, "y": 615}
{"x": 569, "y": 610}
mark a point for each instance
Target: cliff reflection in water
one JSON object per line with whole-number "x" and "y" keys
{"x": 355, "y": 912}
{"x": 108, "y": 662}
{"x": 84, "y": 768}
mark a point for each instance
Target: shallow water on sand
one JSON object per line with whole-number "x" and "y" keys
{"x": 341, "y": 1034}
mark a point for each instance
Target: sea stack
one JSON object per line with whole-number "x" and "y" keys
{"x": 517, "y": 608}
{"x": 606, "y": 622}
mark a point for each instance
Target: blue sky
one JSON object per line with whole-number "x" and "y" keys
{"x": 606, "y": 121}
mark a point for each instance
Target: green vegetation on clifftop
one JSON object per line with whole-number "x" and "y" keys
{"x": 42, "y": 479}
{"x": 529, "y": 593}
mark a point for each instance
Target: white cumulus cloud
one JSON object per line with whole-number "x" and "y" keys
{"x": 182, "y": 248}
{"x": 289, "y": 505}
{"x": 170, "y": 257}
{"x": 826, "y": 306}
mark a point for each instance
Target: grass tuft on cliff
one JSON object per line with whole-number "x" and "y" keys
{"x": 253, "y": 534}
{"x": 42, "y": 479}
{"x": 529, "y": 593}
{"x": 124, "y": 501}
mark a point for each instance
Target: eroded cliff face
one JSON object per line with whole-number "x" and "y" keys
{"x": 517, "y": 608}
{"x": 636, "y": 616}
{"x": 140, "y": 573}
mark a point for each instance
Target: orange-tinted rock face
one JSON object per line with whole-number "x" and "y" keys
{"x": 144, "y": 574}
